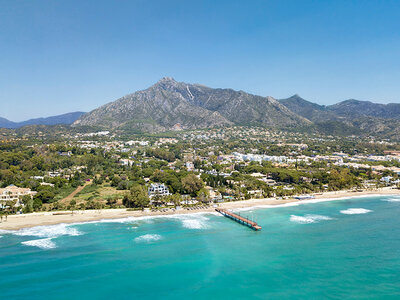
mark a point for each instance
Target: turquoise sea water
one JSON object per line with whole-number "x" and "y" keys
{"x": 337, "y": 249}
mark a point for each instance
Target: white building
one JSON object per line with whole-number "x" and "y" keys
{"x": 100, "y": 133}
{"x": 387, "y": 179}
{"x": 141, "y": 143}
{"x": 12, "y": 193}
{"x": 213, "y": 194}
{"x": 189, "y": 166}
{"x": 127, "y": 162}
{"x": 261, "y": 157}
{"x": 158, "y": 189}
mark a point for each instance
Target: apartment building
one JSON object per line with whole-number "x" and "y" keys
{"x": 12, "y": 193}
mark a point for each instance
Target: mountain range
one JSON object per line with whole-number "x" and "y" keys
{"x": 346, "y": 109}
{"x": 67, "y": 119}
{"x": 349, "y": 116}
{"x": 171, "y": 105}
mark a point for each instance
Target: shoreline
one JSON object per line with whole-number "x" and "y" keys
{"x": 16, "y": 222}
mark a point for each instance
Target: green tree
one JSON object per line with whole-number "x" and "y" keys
{"x": 37, "y": 204}
{"x": 192, "y": 184}
{"x": 112, "y": 201}
{"x": 137, "y": 197}
{"x": 203, "y": 196}
{"x": 175, "y": 199}
{"x": 45, "y": 196}
{"x": 28, "y": 204}
{"x": 72, "y": 205}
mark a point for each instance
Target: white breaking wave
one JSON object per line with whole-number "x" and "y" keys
{"x": 307, "y": 219}
{"x": 392, "y": 200}
{"x": 193, "y": 224}
{"x": 312, "y": 201}
{"x": 199, "y": 216}
{"x": 148, "y": 238}
{"x": 4, "y": 232}
{"x": 193, "y": 221}
{"x": 147, "y": 219}
{"x": 355, "y": 211}
{"x": 42, "y": 243}
{"x": 50, "y": 231}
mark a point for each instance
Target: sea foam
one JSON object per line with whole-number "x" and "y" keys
{"x": 50, "y": 231}
{"x": 392, "y": 200}
{"x": 193, "y": 221}
{"x": 193, "y": 224}
{"x": 41, "y": 243}
{"x": 4, "y": 232}
{"x": 147, "y": 238}
{"x": 355, "y": 211}
{"x": 146, "y": 219}
{"x": 307, "y": 219}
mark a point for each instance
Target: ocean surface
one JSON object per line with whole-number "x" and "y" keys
{"x": 337, "y": 249}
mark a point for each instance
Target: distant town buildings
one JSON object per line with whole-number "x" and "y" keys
{"x": 67, "y": 153}
{"x": 126, "y": 162}
{"x": 99, "y": 133}
{"x": 189, "y": 166}
{"x": 140, "y": 143}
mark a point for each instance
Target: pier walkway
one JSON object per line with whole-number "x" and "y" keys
{"x": 239, "y": 219}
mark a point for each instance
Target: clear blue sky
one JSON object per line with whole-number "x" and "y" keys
{"x": 62, "y": 56}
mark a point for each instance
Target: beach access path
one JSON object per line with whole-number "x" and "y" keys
{"x": 76, "y": 191}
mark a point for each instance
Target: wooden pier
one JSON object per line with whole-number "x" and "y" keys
{"x": 239, "y": 219}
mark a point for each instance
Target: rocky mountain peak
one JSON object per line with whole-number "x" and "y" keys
{"x": 169, "y": 102}
{"x": 167, "y": 80}
{"x": 166, "y": 83}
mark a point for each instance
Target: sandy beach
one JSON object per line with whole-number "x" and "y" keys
{"x": 15, "y": 222}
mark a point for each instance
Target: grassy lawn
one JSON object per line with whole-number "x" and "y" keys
{"x": 64, "y": 193}
{"x": 89, "y": 189}
{"x": 94, "y": 191}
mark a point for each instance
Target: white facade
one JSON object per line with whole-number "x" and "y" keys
{"x": 158, "y": 189}
{"x": 387, "y": 179}
{"x": 12, "y": 193}
{"x": 127, "y": 162}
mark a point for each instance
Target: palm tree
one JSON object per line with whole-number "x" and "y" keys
{"x": 72, "y": 205}
{"x": 176, "y": 199}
